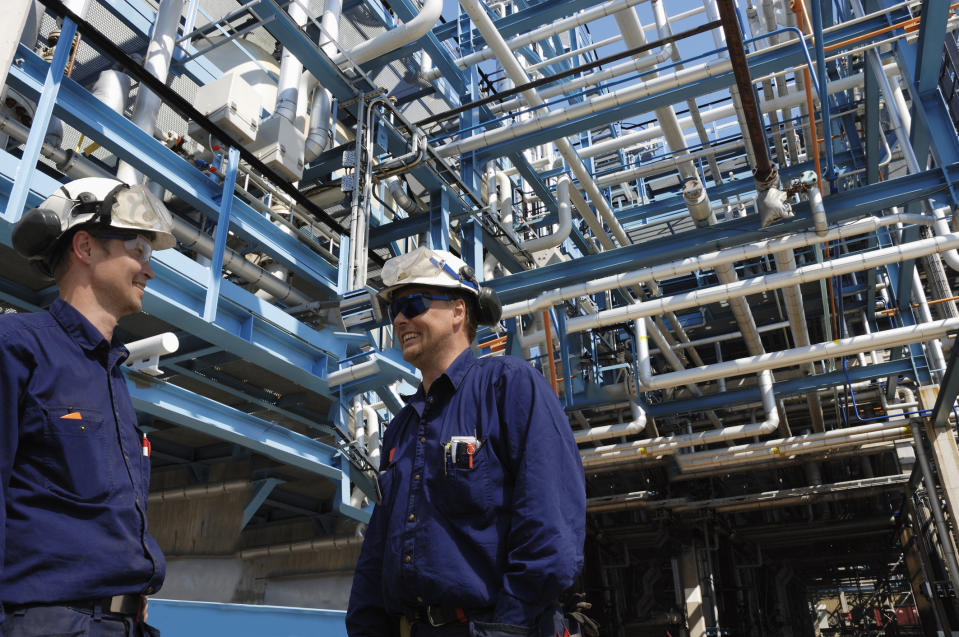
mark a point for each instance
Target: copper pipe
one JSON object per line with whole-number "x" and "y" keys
{"x": 549, "y": 352}
{"x": 737, "y": 57}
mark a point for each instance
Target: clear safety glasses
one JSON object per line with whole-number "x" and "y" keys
{"x": 136, "y": 245}
{"x": 412, "y": 305}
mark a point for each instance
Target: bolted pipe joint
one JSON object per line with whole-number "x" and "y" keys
{"x": 694, "y": 194}
{"x": 771, "y": 202}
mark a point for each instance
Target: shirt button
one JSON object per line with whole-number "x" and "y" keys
{"x": 412, "y": 517}
{"x": 408, "y": 559}
{"x": 416, "y": 477}
{"x": 126, "y": 457}
{"x": 422, "y": 438}
{"x": 419, "y": 599}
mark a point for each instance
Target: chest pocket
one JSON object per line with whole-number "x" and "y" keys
{"x": 78, "y": 446}
{"x": 463, "y": 492}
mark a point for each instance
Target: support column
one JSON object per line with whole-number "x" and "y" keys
{"x": 692, "y": 593}
{"x": 945, "y": 455}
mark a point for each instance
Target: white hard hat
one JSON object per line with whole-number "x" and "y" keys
{"x": 426, "y": 267}
{"x": 100, "y": 200}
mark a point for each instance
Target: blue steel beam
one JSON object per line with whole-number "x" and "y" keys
{"x": 80, "y": 109}
{"x": 35, "y": 139}
{"x": 261, "y": 491}
{"x": 931, "y": 115}
{"x": 932, "y": 39}
{"x": 176, "y": 617}
{"x": 245, "y": 325}
{"x": 222, "y": 231}
{"x": 839, "y": 207}
{"x": 184, "y": 408}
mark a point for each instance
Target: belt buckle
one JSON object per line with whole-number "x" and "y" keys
{"x": 429, "y": 616}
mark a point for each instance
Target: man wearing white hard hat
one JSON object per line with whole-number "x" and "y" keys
{"x": 482, "y": 521}
{"x": 75, "y": 554}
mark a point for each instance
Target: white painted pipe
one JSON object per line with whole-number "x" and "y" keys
{"x": 398, "y": 192}
{"x": 351, "y": 373}
{"x": 291, "y": 69}
{"x": 664, "y": 82}
{"x": 818, "y": 211}
{"x": 634, "y": 426}
{"x": 157, "y": 62}
{"x": 636, "y": 65}
{"x": 796, "y": 315}
{"x": 156, "y": 345}
{"x": 704, "y": 261}
{"x": 113, "y": 88}
{"x": 372, "y": 433}
{"x": 393, "y": 39}
{"x": 320, "y": 136}
{"x": 514, "y": 70}
{"x": 663, "y": 445}
{"x": 359, "y": 422}
{"x": 549, "y": 30}
{"x": 765, "y": 283}
{"x": 800, "y": 355}
{"x": 951, "y": 257}
{"x": 557, "y": 236}
{"x": 573, "y": 53}
{"x": 662, "y": 165}
{"x": 694, "y": 194}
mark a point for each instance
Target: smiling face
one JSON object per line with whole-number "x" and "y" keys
{"x": 119, "y": 277}
{"x": 433, "y": 339}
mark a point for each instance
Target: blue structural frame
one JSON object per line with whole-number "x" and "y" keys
{"x": 202, "y": 619}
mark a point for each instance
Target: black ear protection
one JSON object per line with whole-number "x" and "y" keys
{"x": 489, "y": 309}
{"x": 36, "y": 233}
{"x": 35, "y": 236}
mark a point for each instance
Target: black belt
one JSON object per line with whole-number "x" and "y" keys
{"x": 125, "y": 605}
{"x": 440, "y": 615}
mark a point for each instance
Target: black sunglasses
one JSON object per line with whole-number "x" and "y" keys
{"x": 412, "y": 305}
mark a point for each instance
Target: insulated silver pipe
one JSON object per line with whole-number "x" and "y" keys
{"x": 514, "y": 70}
{"x": 157, "y": 62}
{"x": 704, "y": 261}
{"x": 764, "y": 283}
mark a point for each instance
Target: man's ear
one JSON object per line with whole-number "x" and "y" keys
{"x": 459, "y": 310}
{"x": 82, "y": 246}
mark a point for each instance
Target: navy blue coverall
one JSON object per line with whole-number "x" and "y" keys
{"x": 74, "y": 473}
{"x": 497, "y": 541}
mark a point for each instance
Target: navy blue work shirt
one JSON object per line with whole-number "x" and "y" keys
{"x": 75, "y": 479}
{"x": 505, "y": 535}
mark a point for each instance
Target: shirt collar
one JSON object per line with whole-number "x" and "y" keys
{"x": 81, "y": 330}
{"x": 452, "y": 377}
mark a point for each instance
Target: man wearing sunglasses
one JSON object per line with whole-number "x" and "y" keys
{"x": 482, "y": 521}
{"x": 75, "y": 554}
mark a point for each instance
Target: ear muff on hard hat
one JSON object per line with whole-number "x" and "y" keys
{"x": 36, "y": 233}
{"x": 489, "y": 308}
